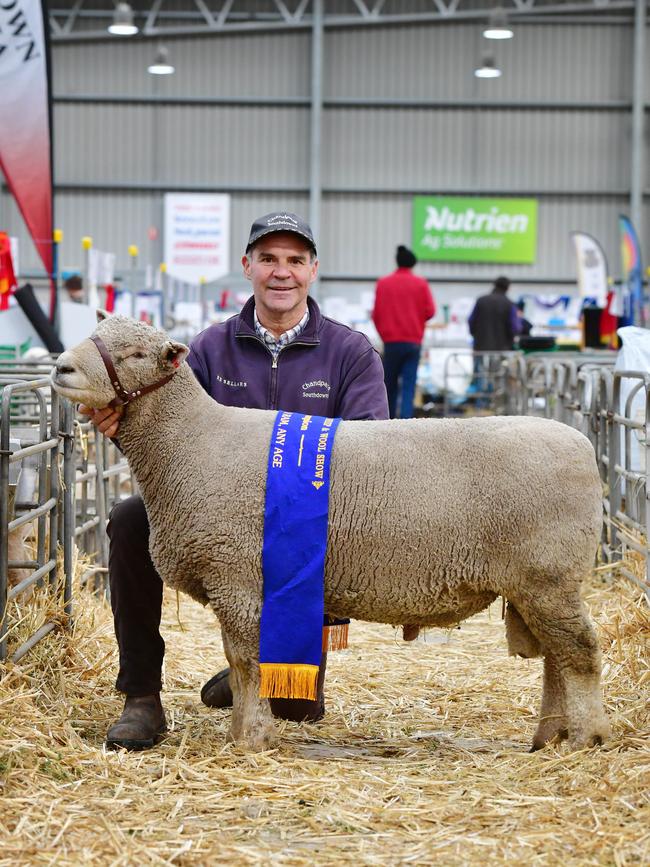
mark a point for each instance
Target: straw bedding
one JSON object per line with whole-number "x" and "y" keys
{"x": 422, "y": 757}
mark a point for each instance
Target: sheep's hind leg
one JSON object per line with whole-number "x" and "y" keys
{"x": 572, "y": 693}
{"x": 522, "y": 642}
{"x": 252, "y": 723}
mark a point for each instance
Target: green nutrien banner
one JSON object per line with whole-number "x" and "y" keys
{"x": 453, "y": 229}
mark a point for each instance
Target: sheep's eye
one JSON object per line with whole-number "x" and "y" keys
{"x": 138, "y": 354}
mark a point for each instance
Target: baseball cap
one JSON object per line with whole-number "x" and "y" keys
{"x": 280, "y": 221}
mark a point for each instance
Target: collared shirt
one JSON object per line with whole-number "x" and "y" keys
{"x": 276, "y": 344}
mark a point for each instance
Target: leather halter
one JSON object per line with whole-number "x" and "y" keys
{"x": 123, "y": 396}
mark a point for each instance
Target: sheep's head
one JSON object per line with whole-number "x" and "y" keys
{"x": 140, "y": 354}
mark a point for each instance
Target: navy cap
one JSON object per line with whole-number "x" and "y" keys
{"x": 280, "y": 221}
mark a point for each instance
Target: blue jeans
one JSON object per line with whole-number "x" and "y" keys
{"x": 401, "y": 364}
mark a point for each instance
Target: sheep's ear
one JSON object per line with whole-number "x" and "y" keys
{"x": 173, "y": 353}
{"x": 102, "y": 314}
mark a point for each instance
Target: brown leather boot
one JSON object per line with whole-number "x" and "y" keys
{"x": 142, "y": 721}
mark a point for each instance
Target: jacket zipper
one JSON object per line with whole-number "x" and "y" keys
{"x": 274, "y": 370}
{"x": 274, "y": 381}
{"x": 274, "y": 364}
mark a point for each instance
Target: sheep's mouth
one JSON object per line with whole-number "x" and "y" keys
{"x": 60, "y": 385}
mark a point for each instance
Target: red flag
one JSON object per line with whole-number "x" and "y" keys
{"x": 7, "y": 276}
{"x": 25, "y": 143}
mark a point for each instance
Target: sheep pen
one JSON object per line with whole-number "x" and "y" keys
{"x": 421, "y": 757}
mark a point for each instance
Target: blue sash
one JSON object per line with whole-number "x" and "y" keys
{"x": 293, "y": 554}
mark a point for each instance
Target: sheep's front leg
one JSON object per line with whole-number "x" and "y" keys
{"x": 252, "y": 723}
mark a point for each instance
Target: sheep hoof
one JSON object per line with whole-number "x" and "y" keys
{"x": 593, "y": 735}
{"x": 546, "y": 736}
{"x": 255, "y": 742}
{"x": 258, "y": 743}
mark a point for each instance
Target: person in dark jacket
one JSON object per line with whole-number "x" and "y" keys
{"x": 493, "y": 323}
{"x": 279, "y": 352}
{"x": 403, "y": 304}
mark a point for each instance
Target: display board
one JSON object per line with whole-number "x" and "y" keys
{"x": 455, "y": 229}
{"x": 197, "y": 236}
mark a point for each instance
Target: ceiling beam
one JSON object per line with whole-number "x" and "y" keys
{"x": 204, "y": 19}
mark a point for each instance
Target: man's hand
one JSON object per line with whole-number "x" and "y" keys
{"x": 106, "y": 420}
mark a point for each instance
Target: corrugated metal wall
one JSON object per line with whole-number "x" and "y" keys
{"x": 509, "y": 136}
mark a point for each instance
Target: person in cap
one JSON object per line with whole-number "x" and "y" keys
{"x": 403, "y": 304}
{"x": 278, "y": 353}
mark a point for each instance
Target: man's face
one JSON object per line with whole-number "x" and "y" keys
{"x": 281, "y": 270}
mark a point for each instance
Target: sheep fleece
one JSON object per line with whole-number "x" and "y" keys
{"x": 429, "y": 519}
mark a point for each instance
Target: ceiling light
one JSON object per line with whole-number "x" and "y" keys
{"x": 123, "y": 21}
{"x": 161, "y": 65}
{"x": 488, "y": 69}
{"x": 497, "y": 27}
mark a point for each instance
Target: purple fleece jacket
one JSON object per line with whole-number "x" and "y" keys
{"x": 328, "y": 370}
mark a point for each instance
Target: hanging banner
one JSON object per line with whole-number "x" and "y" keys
{"x": 454, "y": 229}
{"x": 25, "y": 125}
{"x": 632, "y": 272}
{"x": 197, "y": 236}
{"x": 592, "y": 268}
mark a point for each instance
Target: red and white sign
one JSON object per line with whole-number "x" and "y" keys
{"x": 197, "y": 236}
{"x": 25, "y": 147}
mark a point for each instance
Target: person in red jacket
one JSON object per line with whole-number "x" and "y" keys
{"x": 403, "y": 303}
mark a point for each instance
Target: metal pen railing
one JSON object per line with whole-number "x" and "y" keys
{"x": 52, "y": 507}
{"x": 68, "y": 488}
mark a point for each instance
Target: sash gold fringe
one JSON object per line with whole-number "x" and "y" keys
{"x": 335, "y": 637}
{"x": 280, "y": 680}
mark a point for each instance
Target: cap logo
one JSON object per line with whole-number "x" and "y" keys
{"x": 282, "y": 219}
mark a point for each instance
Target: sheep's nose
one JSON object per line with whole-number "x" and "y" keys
{"x": 63, "y": 366}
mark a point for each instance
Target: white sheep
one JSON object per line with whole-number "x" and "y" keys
{"x": 429, "y": 521}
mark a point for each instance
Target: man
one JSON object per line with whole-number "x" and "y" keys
{"x": 493, "y": 323}
{"x": 280, "y": 352}
{"x": 403, "y": 304}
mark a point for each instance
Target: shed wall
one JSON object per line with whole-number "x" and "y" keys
{"x": 556, "y": 126}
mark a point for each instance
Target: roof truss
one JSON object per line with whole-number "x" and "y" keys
{"x": 73, "y": 20}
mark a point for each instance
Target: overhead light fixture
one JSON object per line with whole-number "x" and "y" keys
{"x": 123, "y": 21}
{"x": 161, "y": 65}
{"x": 487, "y": 69}
{"x": 498, "y": 27}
